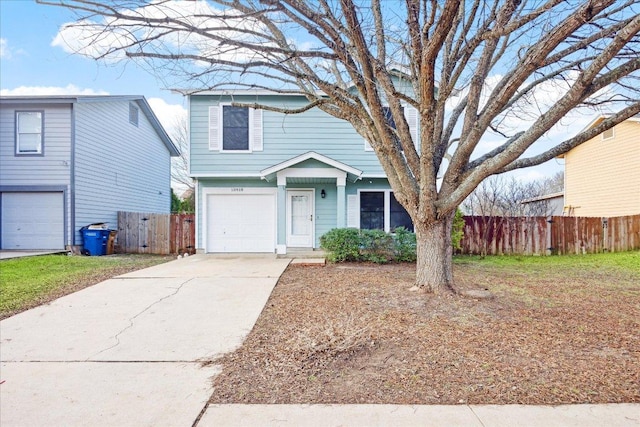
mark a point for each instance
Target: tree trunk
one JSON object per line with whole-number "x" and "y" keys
{"x": 434, "y": 265}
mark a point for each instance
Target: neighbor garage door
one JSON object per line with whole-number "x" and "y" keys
{"x": 33, "y": 220}
{"x": 241, "y": 223}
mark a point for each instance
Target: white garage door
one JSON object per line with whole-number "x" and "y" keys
{"x": 241, "y": 223}
{"x": 33, "y": 220}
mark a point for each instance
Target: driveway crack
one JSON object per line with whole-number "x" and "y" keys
{"x": 132, "y": 320}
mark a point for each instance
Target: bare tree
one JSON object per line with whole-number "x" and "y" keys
{"x": 503, "y": 197}
{"x": 511, "y": 69}
{"x": 486, "y": 200}
{"x": 180, "y": 164}
{"x": 553, "y": 184}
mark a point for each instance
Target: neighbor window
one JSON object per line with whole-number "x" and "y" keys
{"x": 380, "y": 210}
{"x": 235, "y": 128}
{"x": 133, "y": 114}
{"x": 29, "y": 135}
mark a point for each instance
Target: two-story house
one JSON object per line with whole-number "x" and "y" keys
{"x": 270, "y": 182}
{"x": 70, "y": 161}
{"x": 602, "y": 175}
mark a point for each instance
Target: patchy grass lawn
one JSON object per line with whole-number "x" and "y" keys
{"x": 31, "y": 281}
{"x": 557, "y": 330}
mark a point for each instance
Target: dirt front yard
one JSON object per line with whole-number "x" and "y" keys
{"x": 563, "y": 332}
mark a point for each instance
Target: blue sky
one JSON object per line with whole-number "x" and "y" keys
{"x": 31, "y": 65}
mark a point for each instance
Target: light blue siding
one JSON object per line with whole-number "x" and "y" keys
{"x": 119, "y": 166}
{"x": 285, "y": 136}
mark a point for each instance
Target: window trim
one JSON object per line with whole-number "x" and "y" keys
{"x": 386, "y": 209}
{"x": 221, "y": 129}
{"x": 17, "y": 151}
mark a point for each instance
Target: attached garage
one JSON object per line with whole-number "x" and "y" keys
{"x": 240, "y": 222}
{"x": 32, "y": 220}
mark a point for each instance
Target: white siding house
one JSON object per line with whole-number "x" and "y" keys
{"x": 69, "y": 161}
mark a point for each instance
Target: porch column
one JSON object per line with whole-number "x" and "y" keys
{"x": 341, "y": 202}
{"x": 281, "y": 247}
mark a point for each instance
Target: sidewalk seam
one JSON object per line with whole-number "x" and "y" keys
{"x": 476, "y": 415}
{"x": 201, "y": 414}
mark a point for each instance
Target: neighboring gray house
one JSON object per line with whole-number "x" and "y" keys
{"x": 70, "y": 161}
{"x": 547, "y": 205}
{"x": 270, "y": 182}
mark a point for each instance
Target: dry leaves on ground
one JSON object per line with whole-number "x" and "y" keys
{"x": 355, "y": 333}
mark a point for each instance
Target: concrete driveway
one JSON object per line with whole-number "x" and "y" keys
{"x": 129, "y": 351}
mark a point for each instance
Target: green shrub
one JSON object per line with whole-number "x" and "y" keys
{"x": 343, "y": 244}
{"x": 376, "y": 246}
{"x": 457, "y": 230}
{"x": 350, "y": 244}
{"x": 405, "y": 245}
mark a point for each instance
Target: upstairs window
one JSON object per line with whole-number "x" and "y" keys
{"x": 410, "y": 114}
{"x": 29, "y": 135}
{"x": 235, "y": 129}
{"x": 133, "y": 114}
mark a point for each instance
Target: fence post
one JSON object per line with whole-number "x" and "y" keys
{"x": 605, "y": 234}
{"x": 549, "y": 225}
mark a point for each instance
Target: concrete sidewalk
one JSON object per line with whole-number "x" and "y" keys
{"x": 129, "y": 351}
{"x": 620, "y": 415}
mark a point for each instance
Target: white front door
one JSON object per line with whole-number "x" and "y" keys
{"x": 300, "y": 218}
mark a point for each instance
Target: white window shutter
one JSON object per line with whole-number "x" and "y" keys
{"x": 214, "y": 128}
{"x": 411, "y": 115}
{"x": 256, "y": 130}
{"x": 353, "y": 217}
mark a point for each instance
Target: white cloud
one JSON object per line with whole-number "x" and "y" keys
{"x": 7, "y": 52}
{"x": 109, "y": 38}
{"x": 92, "y": 40}
{"x": 170, "y": 115}
{"x": 70, "y": 89}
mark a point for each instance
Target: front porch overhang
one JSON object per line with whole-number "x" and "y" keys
{"x": 286, "y": 170}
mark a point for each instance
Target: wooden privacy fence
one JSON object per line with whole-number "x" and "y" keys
{"x": 549, "y": 235}
{"x": 153, "y": 233}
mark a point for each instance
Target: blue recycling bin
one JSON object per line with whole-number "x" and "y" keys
{"x": 94, "y": 242}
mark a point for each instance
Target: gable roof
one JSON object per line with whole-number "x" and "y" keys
{"x": 307, "y": 156}
{"x": 597, "y": 120}
{"x": 601, "y": 117}
{"x": 140, "y": 100}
